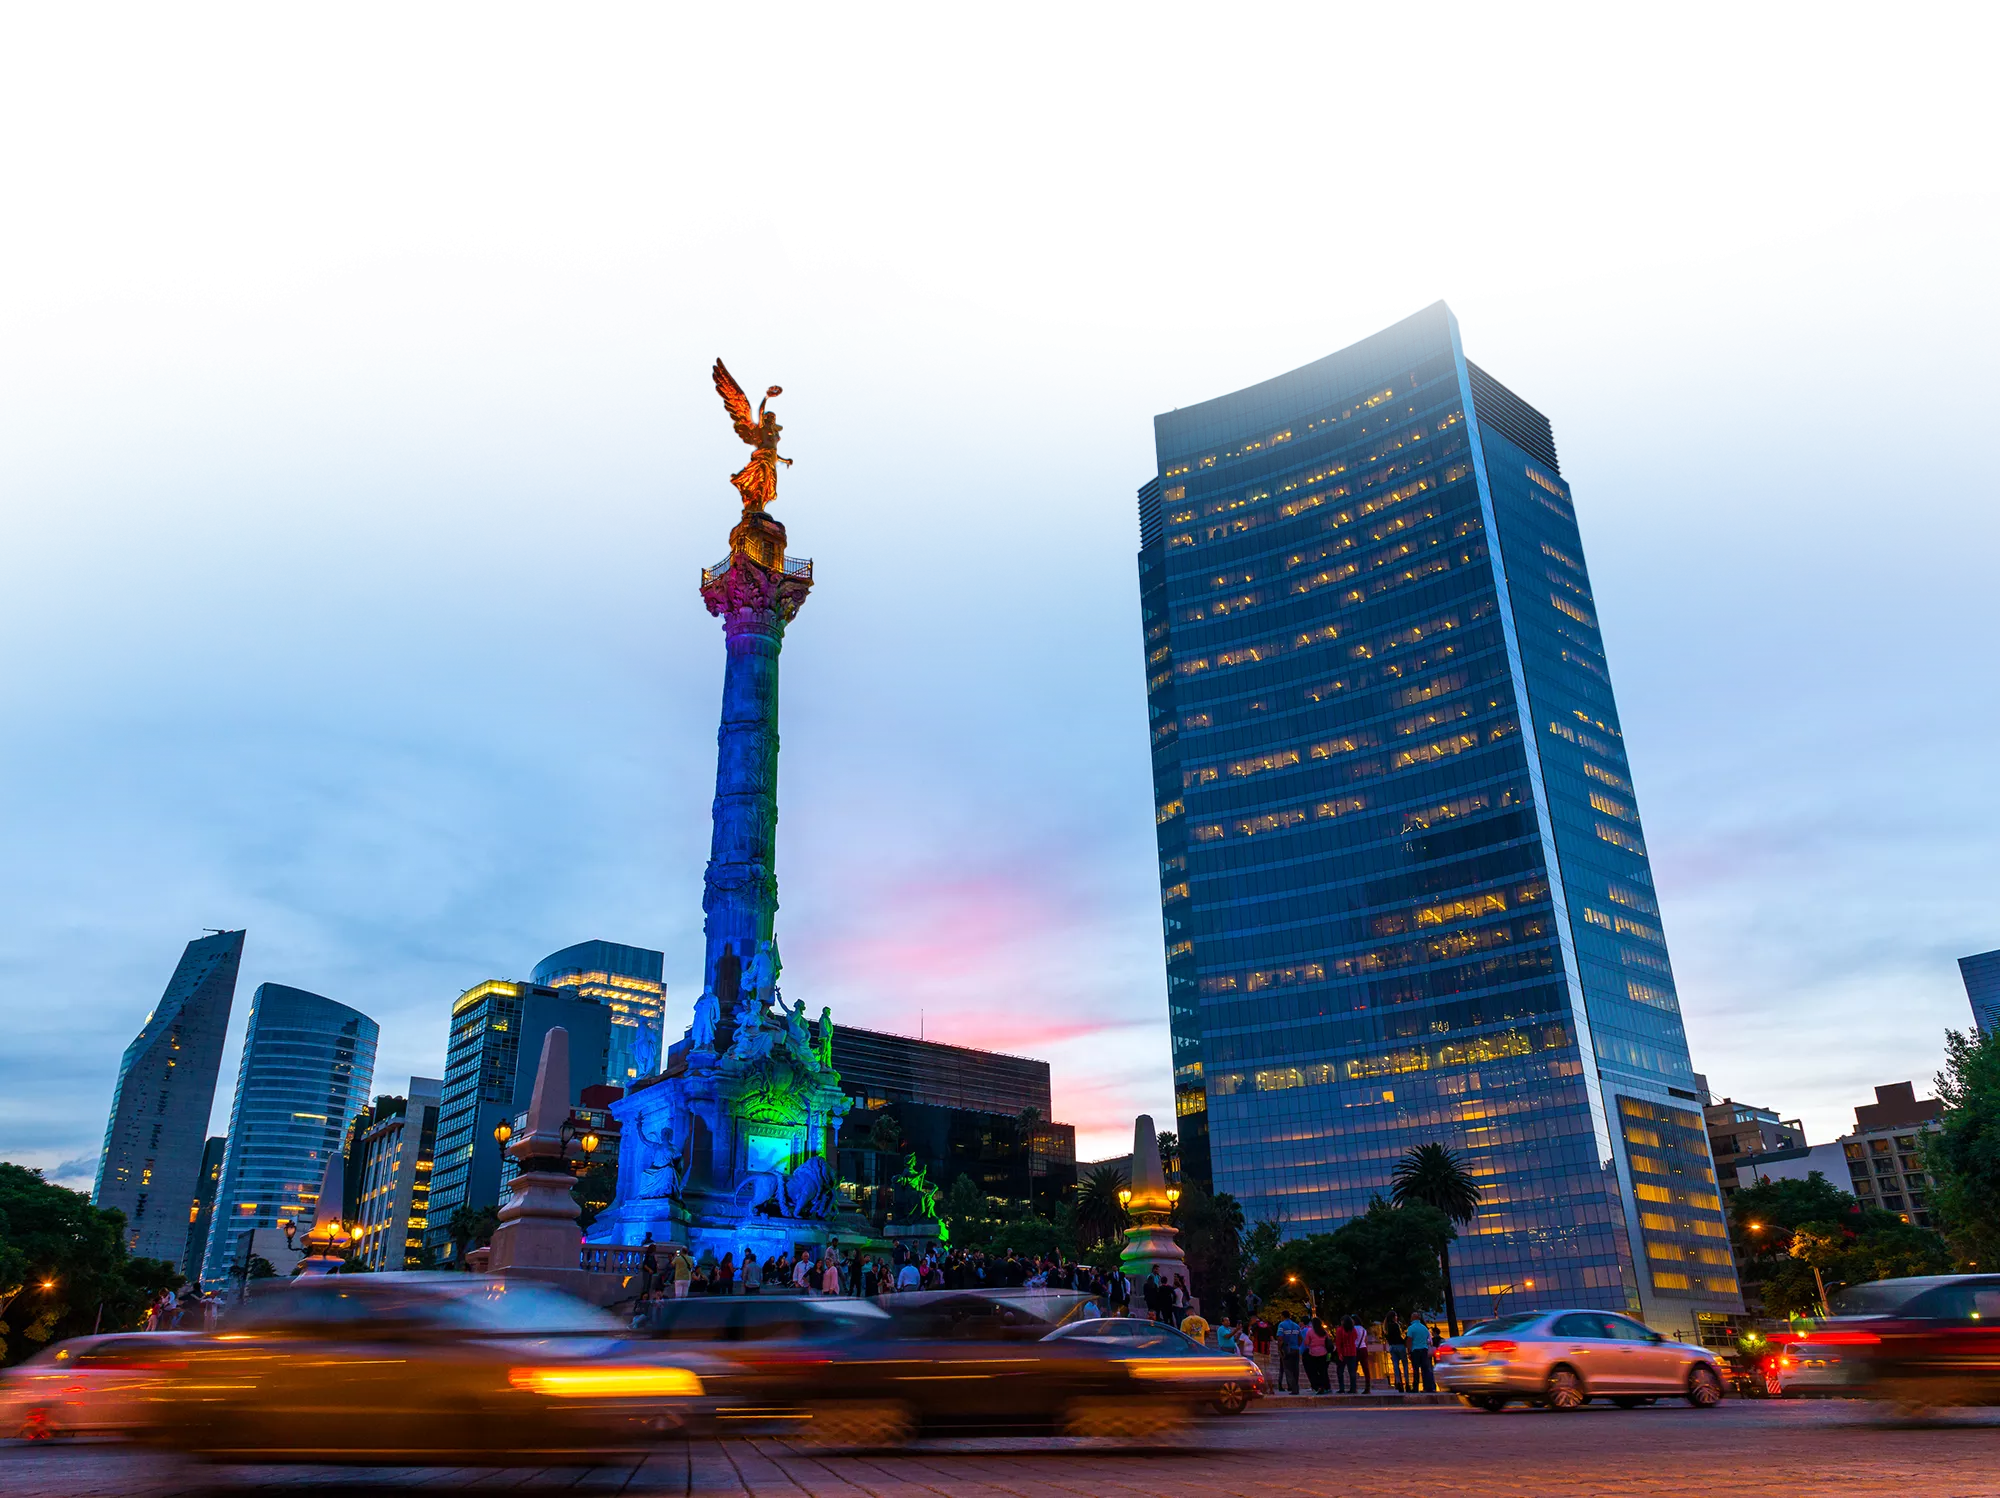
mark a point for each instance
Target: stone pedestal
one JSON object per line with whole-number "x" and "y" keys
{"x": 1152, "y": 1243}
{"x": 538, "y": 1222}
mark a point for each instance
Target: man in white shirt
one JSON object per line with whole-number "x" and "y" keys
{"x": 909, "y": 1277}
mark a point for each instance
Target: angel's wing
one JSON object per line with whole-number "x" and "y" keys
{"x": 737, "y": 403}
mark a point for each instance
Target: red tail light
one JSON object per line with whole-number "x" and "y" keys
{"x": 1501, "y": 1349}
{"x": 1842, "y": 1339}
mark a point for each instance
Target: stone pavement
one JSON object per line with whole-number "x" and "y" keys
{"x": 1771, "y": 1450}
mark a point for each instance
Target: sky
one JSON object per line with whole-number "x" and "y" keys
{"x": 358, "y": 456}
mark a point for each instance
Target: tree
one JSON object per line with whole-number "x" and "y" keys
{"x": 1963, "y": 1156}
{"x": 1211, "y": 1235}
{"x": 1396, "y": 1254}
{"x": 1100, "y": 1215}
{"x": 62, "y": 1261}
{"x": 1433, "y": 1176}
{"x": 472, "y": 1227}
{"x": 966, "y": 1209}
{"x": 595, "y": 1190}
{"x": 1785, "y": 1230}
{"x": 1170, "y": 1155}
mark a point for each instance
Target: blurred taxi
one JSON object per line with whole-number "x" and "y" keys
{"x": 1933, "y": 1340}
{"x": 843, "y": 1372}
{"x": 1563, "y": 1359}
{"x": 1165, "y": 1356}
{"x": 406, "y": 1369}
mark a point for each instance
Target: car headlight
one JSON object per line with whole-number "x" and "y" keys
{"x": 606, "y": 1382}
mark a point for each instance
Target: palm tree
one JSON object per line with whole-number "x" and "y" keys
{"x": 1099, "y": 1212}
{"x": 1433, "y": 1176}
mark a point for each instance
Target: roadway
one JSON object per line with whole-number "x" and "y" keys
{"x": 1768, "y": 1449}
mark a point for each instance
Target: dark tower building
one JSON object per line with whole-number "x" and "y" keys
{"x": 1403, "y": 879}
{"x": 151, "y": 1166}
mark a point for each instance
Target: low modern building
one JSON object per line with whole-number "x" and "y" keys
{"x": 1737, "y": 1130}
{"x": 151, "y": 1165}
{"x": 489, "y": 1074}
{"x": 627, "y": 981}
{"x": 391, "y": 1211}
{"x": 959, "y": 1111}
{"x": 307, "y": 1066}
{"x": 1884, "y": 1167}
{"x": 1981, "y": 973}
{"x": 1792, "y": 1163}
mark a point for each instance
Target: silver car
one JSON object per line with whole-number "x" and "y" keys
{"x": 1563, "y": 1359}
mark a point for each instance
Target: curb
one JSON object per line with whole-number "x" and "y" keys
{"x": 1389, "y": 1401}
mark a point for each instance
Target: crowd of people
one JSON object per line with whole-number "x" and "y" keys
{"x": 189, "y": 1309}
{"x": 1331, "y": 1356}
{"x": 668, "y": 1271}
{"x": 1337, "y": 1358}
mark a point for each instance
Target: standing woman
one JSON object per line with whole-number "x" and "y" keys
{"x": 829, "y": 1275}
{"x": 1313, "y": 1352}
{"x": 725, "y": 1274}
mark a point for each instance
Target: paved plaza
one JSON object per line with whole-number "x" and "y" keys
{"x": 1744, "y": 1448}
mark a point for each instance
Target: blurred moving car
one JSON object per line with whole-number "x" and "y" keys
{"x": 1920, "y": 1342}
{"x": 845, "y": 1372}
{"x": 1224, "y": 1381}
{"x": 409, "y": 1369}
{"x": 1563, "y": 1359}
{"x": 87, "y": 1386}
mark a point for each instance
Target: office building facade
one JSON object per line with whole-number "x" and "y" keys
{"x": 150, "y": 1167}
{"x": 393, "y": 1178}
{"x": 1981, "y": 973}
{"x": 1885, "y": 1155}
{"x": 308, "y": 1063}
{"x": 1404, "y": 884}
{"x": 497, "y": 1028}
{"x": 628, "y": 982}
{"x": 959, "y": 1111}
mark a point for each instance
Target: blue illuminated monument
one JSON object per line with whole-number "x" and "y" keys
{"x": 731, "y": 1145}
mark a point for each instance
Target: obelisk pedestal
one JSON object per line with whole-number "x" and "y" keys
{"x": 1151, "y": 1242}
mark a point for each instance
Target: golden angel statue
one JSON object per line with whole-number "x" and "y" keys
{"x": 757, "y": 482}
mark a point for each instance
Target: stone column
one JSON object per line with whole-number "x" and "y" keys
{"x": 755, "y": 593}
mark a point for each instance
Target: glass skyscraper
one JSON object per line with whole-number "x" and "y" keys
{"x": 307, "y": 1066}
{"x": 629, "y": 982}
{"x": 1981, "y": 973}
{"x": 151, "y": 1165}
{"x": 1404, "y": 884}
{"x": 495, "y": 1046}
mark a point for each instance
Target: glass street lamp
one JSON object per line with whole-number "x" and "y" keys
{"x": 502, "y": 1132}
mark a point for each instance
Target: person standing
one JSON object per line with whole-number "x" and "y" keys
{"x": 1195, "y": 1326}
{"x": 909, "y": 1277}
{"x": 1361, "y": 1350}
{"x": 1420, "y": 1357}
{"x": 725, "y": 1274}
{"x": 1288, "y": 1339}
{"x": 1316, "y": 1351}
{"x": 649, "y": 1267}
{"x": 753, "y": 1273}
{"x": 1398, "y": 1342}
{"x": 683, "y": 1272}
{"x": 1344, "y": 1345}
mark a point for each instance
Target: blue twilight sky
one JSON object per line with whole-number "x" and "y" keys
{"x": 357, "y": 455}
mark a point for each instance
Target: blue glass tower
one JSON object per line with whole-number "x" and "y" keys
{"x": 1404, "y": 884}
{"x": 1981, "y": 973}
{"x": 307, "y": 1066}
{"x": 627, "y": 981}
